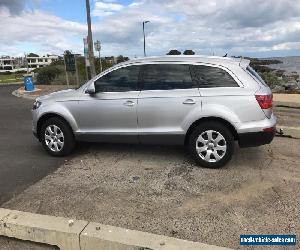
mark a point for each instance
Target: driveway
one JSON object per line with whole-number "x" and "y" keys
{"x": 22, "y": 160}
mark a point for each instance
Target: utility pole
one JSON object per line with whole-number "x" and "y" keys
{"x": 26, "y": 61}
{"x": 90, "y": 38}
{"x": 144, "y": 22}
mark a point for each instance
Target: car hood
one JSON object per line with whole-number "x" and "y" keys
{"x": 63, "y": 94}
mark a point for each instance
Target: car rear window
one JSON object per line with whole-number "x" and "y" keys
{"x": 211, "y": 77}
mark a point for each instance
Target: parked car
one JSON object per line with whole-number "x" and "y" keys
{"x": 205, "y": 103}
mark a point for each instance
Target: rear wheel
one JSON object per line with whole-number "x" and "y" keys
{"x": 211, "y": 144}
{"x": 57, "y": 137}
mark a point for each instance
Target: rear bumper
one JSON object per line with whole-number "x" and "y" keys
{"x": 253, "y": 139}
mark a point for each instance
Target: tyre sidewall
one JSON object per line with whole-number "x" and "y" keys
{"x": 69, "y": 141}
{"x": 224, "y": 131}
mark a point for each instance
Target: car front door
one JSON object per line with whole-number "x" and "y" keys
{"x": 168, "y": 96}
{"x": 111, "y": 113}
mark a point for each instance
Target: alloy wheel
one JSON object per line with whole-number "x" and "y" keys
{"x": 54, "y": 138}
{"x": 211, "y": 146}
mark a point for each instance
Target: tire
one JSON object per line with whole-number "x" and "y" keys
{"x": 56, "y": 131}
{"x": 206, "y": 139}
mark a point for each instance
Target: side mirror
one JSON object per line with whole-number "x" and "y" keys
{"x": 90, "y": 89}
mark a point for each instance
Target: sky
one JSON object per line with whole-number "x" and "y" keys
{"x": 256, "y": 28}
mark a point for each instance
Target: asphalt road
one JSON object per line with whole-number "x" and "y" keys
{"x": 22, "y": 159}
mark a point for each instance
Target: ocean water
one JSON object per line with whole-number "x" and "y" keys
{"x": 291, "y": 63}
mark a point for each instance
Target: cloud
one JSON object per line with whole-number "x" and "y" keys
{"x": 287, "y": 46}
{"x": 237, "y": 13}
{"x": 45, "y": 32}
{"x": 14, "y": 6}
{"x": 236, "y": 27}
{"x": 106, "y": 8}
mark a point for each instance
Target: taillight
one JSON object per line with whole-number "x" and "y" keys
{"x": 272, "y": 129}
{"x": 265, "y": 101}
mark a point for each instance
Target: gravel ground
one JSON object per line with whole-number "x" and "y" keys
{"x": 160, "y": 190}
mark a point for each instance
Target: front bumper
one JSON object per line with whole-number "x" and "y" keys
{"x": 253, "y": 139}
{"x": 35, "y": 134}
{"x": 34, "y": 114}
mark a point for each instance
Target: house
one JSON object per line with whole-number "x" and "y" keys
{"x": 40, "y": 61}
{"x": 7, "y": 63}
{"x": 13, "y": 64}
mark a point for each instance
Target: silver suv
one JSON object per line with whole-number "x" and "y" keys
{"x": 205, "y": 103}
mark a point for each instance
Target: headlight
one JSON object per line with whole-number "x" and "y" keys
{"x": 36, "y": 104}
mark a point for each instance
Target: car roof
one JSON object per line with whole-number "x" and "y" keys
{"x": 216, "y": 60}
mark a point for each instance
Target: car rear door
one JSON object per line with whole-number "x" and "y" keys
{"x": 168, "y": 96}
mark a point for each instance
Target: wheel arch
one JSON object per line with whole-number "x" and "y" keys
{"x": 46, "y": 117}
{"x": 205, "y": 119}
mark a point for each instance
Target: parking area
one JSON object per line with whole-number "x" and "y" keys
{"x": 155, "y": 189}
{"x": 160, "y": 190}
{"x": 22, "y": 160}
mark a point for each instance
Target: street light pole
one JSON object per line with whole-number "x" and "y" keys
{"x": 98, "y": 48}
{"x": 144, "y": 22}
{"x": 90, "y": 39}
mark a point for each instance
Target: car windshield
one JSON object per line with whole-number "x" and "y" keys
{"x": 256, "y": 76}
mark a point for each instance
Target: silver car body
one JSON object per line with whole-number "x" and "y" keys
{"x": 148, "y": 116}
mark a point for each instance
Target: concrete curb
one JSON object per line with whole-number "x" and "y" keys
{"x": 17, "y": 94}
{"x": 287, "y": 104}
{"x": 41, "y": 228}
{"x": 70, "y": 234}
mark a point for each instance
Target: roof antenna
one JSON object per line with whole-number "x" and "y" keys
{"x": 225, "y": 55}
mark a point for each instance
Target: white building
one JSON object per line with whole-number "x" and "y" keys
{"x": 13, "y": 64}
{"x": 7, "y": 63}
{"x": 42, "y": 61}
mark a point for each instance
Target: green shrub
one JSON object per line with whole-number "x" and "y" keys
{"x": 47, "y": 74}
{"x": 270, "y": 78}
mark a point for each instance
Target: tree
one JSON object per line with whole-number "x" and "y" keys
{"x": 189, "y": 52}
{"x": 32, "y": 55}
{"x": 174, "y": 52}
{"x": 47, "y": 74}
{"x": 121, "y": 58}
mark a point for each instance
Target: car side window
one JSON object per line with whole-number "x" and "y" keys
{"x": 120, "y": 80}
{"x": 211, "y": 77}
{"x": 167, "y": 76}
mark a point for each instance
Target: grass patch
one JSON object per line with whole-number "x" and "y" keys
{"x": 11, "y": 78}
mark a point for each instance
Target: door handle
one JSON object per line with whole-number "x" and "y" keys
{"x": 129, "y": 103}
{"x": 189, "y": 101}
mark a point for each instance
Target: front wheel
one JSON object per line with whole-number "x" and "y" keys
{"x": 211, "y": 144}
{"x": 57, "y": 137}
